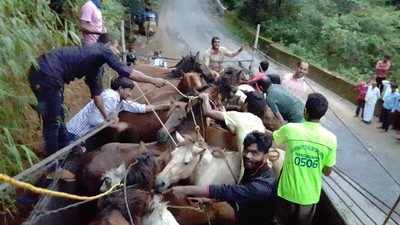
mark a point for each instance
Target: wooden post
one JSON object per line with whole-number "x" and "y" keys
{"x": 123, "y": 41}
{"x": 255, "y": 46}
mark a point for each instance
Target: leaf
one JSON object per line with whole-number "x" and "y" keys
{"x": 29, "y": 154}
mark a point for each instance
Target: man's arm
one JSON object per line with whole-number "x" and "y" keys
{"x": 150, "y": 108}
{"x": 141, "y": 77}
{"x": 87, "y": 28}
{"x": 98, "y": 101}
{"x": 233, "y": 54}
{"x": 208, "y": 111}
{"x": 327, "y": 171}
{"x": 279, "y": 117}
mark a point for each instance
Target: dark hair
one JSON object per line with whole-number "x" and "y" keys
{"x": 225, "y": 86}
{"x": 386, "y": 57}
{"x": 263, "y": 141}
{"x": 122, "y": 82}
{"x": 316, "y": 106}
{"x": 264, "y": 65}
{"x": 393, "y": 85}
{"x": 105, "y": 38}
{"x": 275, "y": 78}
{"x": 264, "y": 83}
{"x": 214, "y": 39}
{"x": 256, "y": 103}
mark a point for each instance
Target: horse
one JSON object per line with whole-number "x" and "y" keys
{"x": 145, "y": 207}
{"x": 110, "y": 158}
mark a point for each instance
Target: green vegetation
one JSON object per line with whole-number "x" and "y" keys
{"x": 28, "y": 29}
{"x": 346, "y": 37}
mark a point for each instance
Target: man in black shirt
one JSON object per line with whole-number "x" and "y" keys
{"x": 62, "y": 66}
{"x": 253, "y": 198}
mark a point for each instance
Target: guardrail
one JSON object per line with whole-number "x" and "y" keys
{"x": 220, "y": 7}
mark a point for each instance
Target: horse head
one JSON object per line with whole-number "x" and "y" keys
{"x": 159, "y": 213}
{"x": 141, "y": 173}
{"x": 176, "y": 114}
{"x": 184, "y": 160}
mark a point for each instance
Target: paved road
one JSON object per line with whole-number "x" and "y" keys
{"x": 189, "y": 25}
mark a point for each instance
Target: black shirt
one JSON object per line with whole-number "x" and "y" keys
{"x": 63, "y": 65}
{"x": 253, "y": 199}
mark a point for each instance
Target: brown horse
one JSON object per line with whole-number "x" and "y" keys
{"x": 110, "y": 156}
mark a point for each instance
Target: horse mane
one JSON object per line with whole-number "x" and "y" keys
{"x": 159, "y": 213}
{"x": 138, "y": 202}
{"x": 142, "y": 173}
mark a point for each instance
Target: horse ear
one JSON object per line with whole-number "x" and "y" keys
{"x": 197, "y": 57}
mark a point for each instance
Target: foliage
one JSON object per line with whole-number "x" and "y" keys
{"x": 28, "y": 29}
{"x": 345, "y": 36}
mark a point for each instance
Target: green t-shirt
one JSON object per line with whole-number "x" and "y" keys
{"x": 309, "y": 148}
{"x": 280, "y": 100}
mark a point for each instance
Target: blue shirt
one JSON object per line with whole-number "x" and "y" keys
{"x": 390, "y": 100}
{"x": 396, "y": 107}
{"x": 253, "y": 199}
{"x": 63, "y": 65}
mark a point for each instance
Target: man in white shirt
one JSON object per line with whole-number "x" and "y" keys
{"x": 115, "y": 101}
{"x": 214, "y": 57}
{"x": 296, "y": 84}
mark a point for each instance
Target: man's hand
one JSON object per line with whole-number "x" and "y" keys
{"x": 159, "y": 82}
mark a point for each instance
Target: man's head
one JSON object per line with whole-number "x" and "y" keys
{"x": 386, "y": 58}
{"x": 256, "y": 146}
{"x": 225, "y": 87}
{"x": 263, "y": 66}
{"x": 316, "y": 107}
{"x": 373, "y": 83}
{"x": 108, "y": 40}
{"x": 264, "y": 84}
{"x": 255, "y": 103}
{"x": 215, "y": 43}
{"x": 301, "y": 70}
{"x": 123, "y": 86}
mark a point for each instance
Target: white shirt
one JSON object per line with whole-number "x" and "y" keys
{"x": 89, "y": 117}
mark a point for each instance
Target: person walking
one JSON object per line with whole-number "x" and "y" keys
{"x": 382, "y": 68}
{"x": 91, "y": 21}
{"x": 389, "y": 103}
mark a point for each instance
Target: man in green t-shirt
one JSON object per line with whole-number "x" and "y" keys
{"x": 283, "y": 104}
{"x": 310, "y": 152}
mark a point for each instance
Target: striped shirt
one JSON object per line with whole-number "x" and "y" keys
{"x": 89, "y": 117}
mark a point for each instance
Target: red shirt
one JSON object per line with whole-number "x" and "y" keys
{"x": 362, "y": 91}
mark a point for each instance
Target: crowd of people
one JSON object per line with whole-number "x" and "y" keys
{"x": 379, "y": 96}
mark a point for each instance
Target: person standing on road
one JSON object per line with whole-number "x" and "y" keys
{"x": 296, "y": 84}
{"x": 362, "y": 89}
{"x": 214, "y": 57}
{"x": 389, "y": 101}
{"x": 253, "y": 199}
{"x": 310, "y": 152}
{"x": 63, "y": 65}
{"x": 382, "y": 71}
{"x": 91, "y": 22}
{"x": 284, "y": 105}
{"x": 372, "y": 96}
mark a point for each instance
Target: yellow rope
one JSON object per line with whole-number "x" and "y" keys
{"x": 19, "y": 184}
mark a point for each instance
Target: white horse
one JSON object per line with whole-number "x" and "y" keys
{"x": 201, "y": 164}
{"x": 204, "y": 165}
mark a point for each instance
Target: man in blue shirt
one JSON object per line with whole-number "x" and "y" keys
{"x": 62, "y": 66}
{"x": 253, "y": 199}
{"x": 388, "y": 109}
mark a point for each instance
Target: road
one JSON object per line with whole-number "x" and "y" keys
{"x": 189, "y": 25}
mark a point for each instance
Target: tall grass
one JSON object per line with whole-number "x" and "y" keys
{"x": 27, "y": 30}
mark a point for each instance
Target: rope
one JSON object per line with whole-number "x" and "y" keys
{"x": 44, "y": 191}
{"x": 60, "y": 153}
{"x": 158, "y": 117}
{"x": 125, "y": 194}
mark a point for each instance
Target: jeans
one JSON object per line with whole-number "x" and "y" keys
{"x": 360, "y": 106}
{"x": 50, "y": 106}
{"x": 386, "y": 118}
